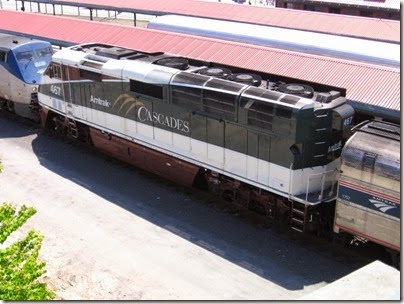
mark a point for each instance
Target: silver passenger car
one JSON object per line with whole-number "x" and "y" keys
{"x": 368, "y": 203}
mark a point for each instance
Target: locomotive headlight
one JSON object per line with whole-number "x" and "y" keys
{"x": 34, "y": 89}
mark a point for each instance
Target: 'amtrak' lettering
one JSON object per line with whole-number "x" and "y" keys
{"x": 335, "y": 147}
{"x": 145, "y": 114}
{"x": 99, "y": 101}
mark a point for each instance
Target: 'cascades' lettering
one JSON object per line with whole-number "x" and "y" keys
{"x": 145, "y": 114}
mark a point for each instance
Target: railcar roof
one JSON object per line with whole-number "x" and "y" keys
{"x": 11, "y": 41}
{"x": 290, "y": 39}
{"x": 382, "y": 129}
{"x": 386, "y": 149}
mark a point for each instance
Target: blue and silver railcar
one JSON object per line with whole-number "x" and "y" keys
{"x": 368, "y": 203}
{"x": 22, "y": 63}
{"x": 238, "y": 135}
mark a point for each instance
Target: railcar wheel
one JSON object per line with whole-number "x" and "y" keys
{"x": 174, "y": 62}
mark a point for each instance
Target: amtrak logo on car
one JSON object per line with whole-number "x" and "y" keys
{"x": 100, "y": 101}
{"x": 335, "y": 147}
{"x": 383, "y": 206}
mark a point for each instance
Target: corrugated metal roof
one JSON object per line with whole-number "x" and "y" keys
{"x": 372, "y": 85}
{"x": 371, "y": 28}
{"x": 386, "y": 4}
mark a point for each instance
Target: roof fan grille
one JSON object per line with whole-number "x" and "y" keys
{"x": 297, "y": 89}
{"x": 250, "y": 79}
{"x": 173, "y": 62}
{"x": 215, "y": 72}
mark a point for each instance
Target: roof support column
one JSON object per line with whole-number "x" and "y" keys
{"x": 134, "y": 19}
{"x": 53, "y": 7}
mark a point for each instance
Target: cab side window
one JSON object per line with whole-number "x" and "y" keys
{"x": 57, "y": 71}
{"x": 54, "y": 70}
{"x": 3, "y": 56}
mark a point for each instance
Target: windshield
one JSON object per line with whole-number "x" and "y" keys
{"x": 45, "y": 52}
{"x": 25, "y": 56}
{"x": 32, "y": 59}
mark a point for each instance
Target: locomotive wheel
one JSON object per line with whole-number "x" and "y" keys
{"x": 174, "y": 62}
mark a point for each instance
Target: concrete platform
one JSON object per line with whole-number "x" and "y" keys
{"x": 376, "y": 281}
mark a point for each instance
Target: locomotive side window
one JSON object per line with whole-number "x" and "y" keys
{"x": 3, "y": 56}
{"x": 55, "y": 71}
{"x": 146, "y": 89}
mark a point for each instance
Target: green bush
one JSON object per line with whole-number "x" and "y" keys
{"x": 19, "y": 265}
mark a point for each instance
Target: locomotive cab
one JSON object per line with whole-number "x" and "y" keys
{"x": 23, "y": 62}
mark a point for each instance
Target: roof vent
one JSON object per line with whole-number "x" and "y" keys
{"x": 296, "y": 89}
{"x": 173, "y": 62}
{"x": 215, "y": 72}
{"x": 250, "y": 79}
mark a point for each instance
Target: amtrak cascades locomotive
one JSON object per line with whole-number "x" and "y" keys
{"x": 271, "y": 146}
{"x": 22, "y": 63}
{"x": 262, "y": 143}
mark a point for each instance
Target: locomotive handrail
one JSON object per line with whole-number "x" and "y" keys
{"x": 323, "y": 176}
